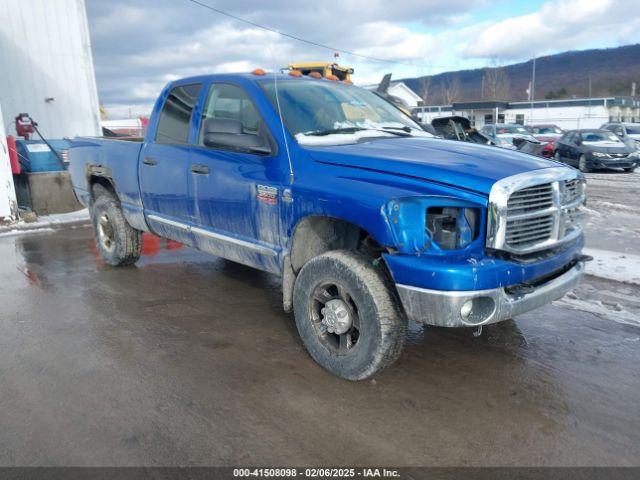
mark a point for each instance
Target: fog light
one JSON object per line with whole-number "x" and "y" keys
{"x": 466, "y": 309}
{"x": 477, "y": 311}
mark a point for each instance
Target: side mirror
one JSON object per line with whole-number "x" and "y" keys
{"x": 227, "y": 133}
{"x": 578, "y": 141}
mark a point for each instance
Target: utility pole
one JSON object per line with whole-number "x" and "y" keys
{"x": 589, "y": 109}
{"x": 533, "y": 89}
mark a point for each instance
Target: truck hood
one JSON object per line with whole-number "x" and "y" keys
{"x": 465, "y": 165}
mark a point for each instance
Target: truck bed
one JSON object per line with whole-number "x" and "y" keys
{"x": 114, "y": 158}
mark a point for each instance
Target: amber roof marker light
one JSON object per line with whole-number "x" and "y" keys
{"x": 259, "y": 71}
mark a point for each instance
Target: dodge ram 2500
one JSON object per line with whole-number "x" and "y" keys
{"x": 368, "y": 220}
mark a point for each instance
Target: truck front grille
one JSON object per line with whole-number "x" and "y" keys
{"x": 532, "y": 217}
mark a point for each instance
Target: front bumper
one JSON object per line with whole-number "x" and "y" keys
{"x": 624, "y": 162}
{"x": 443, "y": 308}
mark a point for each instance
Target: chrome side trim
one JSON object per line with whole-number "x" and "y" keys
{"x": 497, "y": 211}
{"x": 442, "y": 308}
{"x": 235, "y": 241}
{"x": 264, "y": 250}
{"x": 166, "y": 221}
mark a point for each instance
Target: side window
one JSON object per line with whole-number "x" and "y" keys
{"x": 173, "y": 125}
{"x": 231, "y": 102}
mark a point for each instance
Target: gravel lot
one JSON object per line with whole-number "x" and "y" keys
{"x": 186, "y": 359}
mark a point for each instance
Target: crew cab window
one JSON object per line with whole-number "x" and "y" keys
{"x": 173, "y": 125}
{"x": 231, "y": 102}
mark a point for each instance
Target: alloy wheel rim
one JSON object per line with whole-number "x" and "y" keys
{"x": 334, "y": 315}
{"x": 106, "y": 233}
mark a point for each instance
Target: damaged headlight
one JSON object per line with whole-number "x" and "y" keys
{"x": 432, "y": 223}
{"x": 452, "y": 228}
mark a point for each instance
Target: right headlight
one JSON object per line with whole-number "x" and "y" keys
{"x": 432, "y": 223}
{"x": 599, "y": 154}
{"x": 452, "y": 228}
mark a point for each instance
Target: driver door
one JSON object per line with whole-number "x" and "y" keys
{"x": 235, "y": 193}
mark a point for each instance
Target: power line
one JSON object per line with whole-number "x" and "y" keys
{"x": 310, "y": 42}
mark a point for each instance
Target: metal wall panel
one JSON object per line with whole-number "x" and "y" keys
{"x": 8, "y": 204}
{"x": 46, "y": 66}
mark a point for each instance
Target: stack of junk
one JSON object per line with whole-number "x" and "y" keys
{"x": 39, "y": 168}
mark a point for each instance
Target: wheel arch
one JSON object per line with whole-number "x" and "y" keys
{"x": 314, "y": 235}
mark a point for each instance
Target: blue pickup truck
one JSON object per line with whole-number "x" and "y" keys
{"x": 368, "y": 220}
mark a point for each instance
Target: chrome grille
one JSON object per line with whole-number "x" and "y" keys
{"x": 535, "y": 211}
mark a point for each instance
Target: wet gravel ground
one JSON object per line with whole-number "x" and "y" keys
{"x": 186, "y": 359}
{"x": 613, "y": 206}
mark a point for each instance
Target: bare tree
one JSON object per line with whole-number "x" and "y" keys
{"x": 496, "y": 83}
{"x": 425, "y": 85}
{"x": 451, "y": 90}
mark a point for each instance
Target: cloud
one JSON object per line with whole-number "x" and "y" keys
{"x": 139, "y": 46}
{"x": 558, "y": 25}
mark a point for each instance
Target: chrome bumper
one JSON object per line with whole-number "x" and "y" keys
{"x": 443, "y": 308}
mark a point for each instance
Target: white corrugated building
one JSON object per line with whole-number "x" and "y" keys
{"x": 47, "y": 67}
{"x": 567, "y": 114}
{"x": 8, "y": 203}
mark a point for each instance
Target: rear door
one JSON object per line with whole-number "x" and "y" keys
{"x": 236, "y": 193}
{"x": 164, "y": 166}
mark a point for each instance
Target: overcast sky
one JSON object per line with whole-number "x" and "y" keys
{"x": 139, "y": 45}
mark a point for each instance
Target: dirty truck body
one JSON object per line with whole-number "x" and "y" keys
{"x": 367, "y": 226}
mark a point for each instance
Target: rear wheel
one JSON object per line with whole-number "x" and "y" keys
{"x": 347, "y": 315}
{"x": 118, "y": 242}
{"x": 630, "y": 169}
{"x": 582, "y": 164}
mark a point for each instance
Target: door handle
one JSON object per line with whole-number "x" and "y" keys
{"x": 150, "y": 161}
{"x": 200, "y": 169}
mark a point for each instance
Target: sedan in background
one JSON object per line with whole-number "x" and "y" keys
{"x": 547, "y": 133}
{"x": 595, "y": 149}
{"x": 628, "y": 132}
{"x": 508, "y": 135}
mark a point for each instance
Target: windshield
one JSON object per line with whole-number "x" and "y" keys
{"x": 598, "y": 137}
{"x": 511, "y": 129}
{"x": 633, "y": 129}
{"x": 323, "y": 112}
{"x": 546, "y": 130}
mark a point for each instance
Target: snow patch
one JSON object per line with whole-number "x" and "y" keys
{"x": 46, "y": 223}
{"x": 16, "y": 231}
{"x": 621, "y": 267}
{"x": 608, "y": 312}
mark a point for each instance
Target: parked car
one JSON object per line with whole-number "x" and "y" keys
{"x": 595, "y": 149}
{"x": 546, "y": 133}
{"x": 546, "y": 130}
{"x": 368, "y": 220}
{"x": 459, "y": 128}
{"x": 628, "y": 132}
{"x": 513, "y": 136}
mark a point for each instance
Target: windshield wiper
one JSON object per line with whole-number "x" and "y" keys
{"x": 406, "y": 129}
{"x": 329, "y": 131}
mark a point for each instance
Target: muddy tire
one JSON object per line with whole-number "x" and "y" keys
{"x": 347, "y": 314}
{"x": 118, "y": 242}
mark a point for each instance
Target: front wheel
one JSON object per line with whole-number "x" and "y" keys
{"x": 630, "y": 169}
{"x": 347, "y": 315}
{"x": 118, "y": 242}
{"x": 582, "y": 164}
